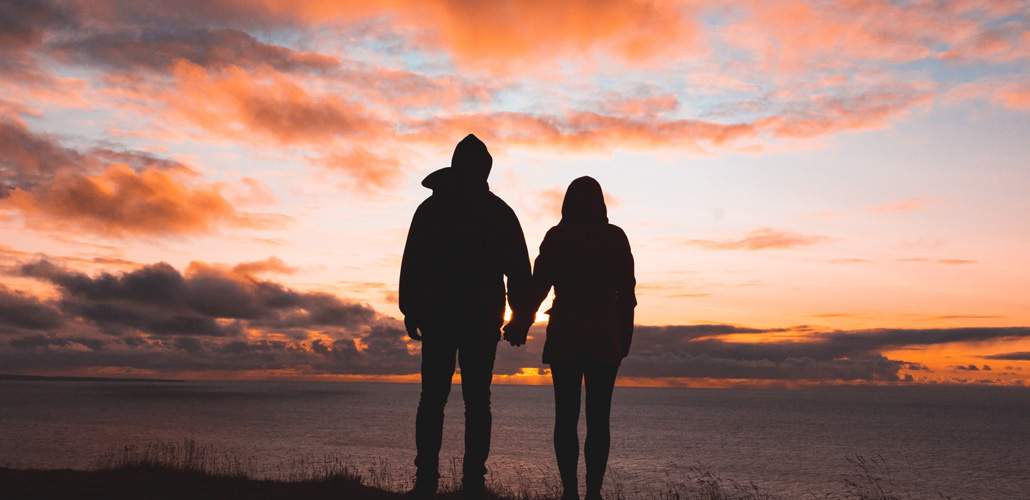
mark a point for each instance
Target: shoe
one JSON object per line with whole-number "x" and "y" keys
{"x": 423, "y": 490}
{"x": 593, "y": 495}
{"x": 570, "y": 495}
{"x": 473, "y": 491}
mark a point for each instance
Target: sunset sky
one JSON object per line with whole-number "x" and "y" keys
{"x": 815, "y": 192}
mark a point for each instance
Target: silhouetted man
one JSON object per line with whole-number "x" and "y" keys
{"x": 463, "y": 241}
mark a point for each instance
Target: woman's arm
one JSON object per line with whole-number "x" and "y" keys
{"x": 543, "y": 271}
{"x": 627, "y": 292}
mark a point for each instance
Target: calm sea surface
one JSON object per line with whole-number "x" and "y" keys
{"x": 963, "y": 442}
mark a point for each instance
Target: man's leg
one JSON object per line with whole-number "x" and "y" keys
{"x": 437, "y": 369}
{"x": 600, "y": 380}
{"x": 476, "y": 358}
{"x": 567, "y": 380}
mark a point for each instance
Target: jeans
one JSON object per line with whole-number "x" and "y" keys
{"x": 475, "y": 355}
{"x": 568, "y": 379}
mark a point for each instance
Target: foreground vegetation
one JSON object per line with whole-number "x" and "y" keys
{"x": 186, "y": 470}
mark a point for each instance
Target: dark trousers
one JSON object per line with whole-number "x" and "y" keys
{"x": 475, "y": 355}
{"x": 568, "y": 379}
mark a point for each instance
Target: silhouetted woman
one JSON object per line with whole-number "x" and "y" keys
{"x": 588, "y": 261}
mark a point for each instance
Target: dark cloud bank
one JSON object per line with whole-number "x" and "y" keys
{"x": 226, "y": 319}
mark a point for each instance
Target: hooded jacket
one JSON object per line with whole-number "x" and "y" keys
{"x": 589, "y": 263}
{"x": 462, "y": 242}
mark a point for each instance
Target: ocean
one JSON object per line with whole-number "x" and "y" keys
{"x": 963, "y": 442}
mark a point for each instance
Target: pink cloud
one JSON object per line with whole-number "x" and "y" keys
{"x": 907, "y": 205}
{"x": 760, "y": 239}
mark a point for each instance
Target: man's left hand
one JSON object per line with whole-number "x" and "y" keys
{"x": 412, "y": 327}
{"x": 516, "y": 331}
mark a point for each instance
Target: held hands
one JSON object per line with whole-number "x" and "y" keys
{"x": 412, "y": 326}
{"x": 516, "y": 331}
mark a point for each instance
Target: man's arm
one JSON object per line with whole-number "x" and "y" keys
{"x": 409, "y": 293}
{"x": 520, "y": 278}
{"x": 517, "y": 270}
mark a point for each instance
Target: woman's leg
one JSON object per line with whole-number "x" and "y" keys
{"x": 600, "y": 380}
{"x": 567, "y": 381}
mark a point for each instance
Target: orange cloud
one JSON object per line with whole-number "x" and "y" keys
{"x": 366, "y": 169}
{"x": 120, "y": 201}
{"x": 1015, "y": 96}
{"x": 269, "y": 265}
{"x": 478, "y": 35}
{"x": 761, "y": 239}
{"x": 237, "y": 104}
{"x": 483, "y": 35}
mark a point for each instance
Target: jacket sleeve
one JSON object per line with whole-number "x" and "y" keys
{"x": 410, "y": 290}
{"x": 627, "y": 292}
{"x": 517, "y": 270}
{"x": 543, "y": 273}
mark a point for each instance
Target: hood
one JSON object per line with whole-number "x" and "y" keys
{"x": 584, "y": 203}
{"x": 469, "y": 170}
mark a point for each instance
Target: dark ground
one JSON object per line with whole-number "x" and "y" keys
{"x": 150, "y": 483}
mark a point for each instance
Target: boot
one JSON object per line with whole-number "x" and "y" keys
{"x": 473, "y": 489}
{"x": 424, "y": 489}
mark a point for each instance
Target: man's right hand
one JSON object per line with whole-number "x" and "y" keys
{"x": 412, "y": 326}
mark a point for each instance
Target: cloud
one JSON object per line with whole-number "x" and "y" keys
{"x": 477, "y": 35}
{"x": 1010, "y": 356}
{"x": 704, "y": 351}
{"x": 956, "y": 262}
{"x": 761, "y": 239}
{"x": 23, "y": 26}
{"x": 835, "y": 113}
{"x": 161, "y": 50}
{"x": 644, "y": 105}
{"x": 28, "y": 159}
{"x": 482, "y": 34}
{"x": 365, "y": 169}
{"x": 794, "y": 36}
{"x": 900, "y": 206}
{"x": 269, "y": 265}
{"x": 107, "y": 190}
{"x": 947, "y": 262}
{"x": 1008, "y": 94}
{"x": 591, "y": 130}
{"x": 121, "y": 201}
{"x": 1015, "y": 96}
{"x": 205, "y": 300}
{"x": 222, "y": 319}
{"x": 840, "y": 355}
{"x": 239, "y": 104}
{"x": 20, "y": 312}
{"x": 207, "y": 318}
{"x": 973, "y": 368}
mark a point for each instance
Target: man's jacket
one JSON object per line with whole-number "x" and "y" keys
{"x": 462, "y": 243}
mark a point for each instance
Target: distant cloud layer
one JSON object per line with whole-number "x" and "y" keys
{"x": 214, "y": 318}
